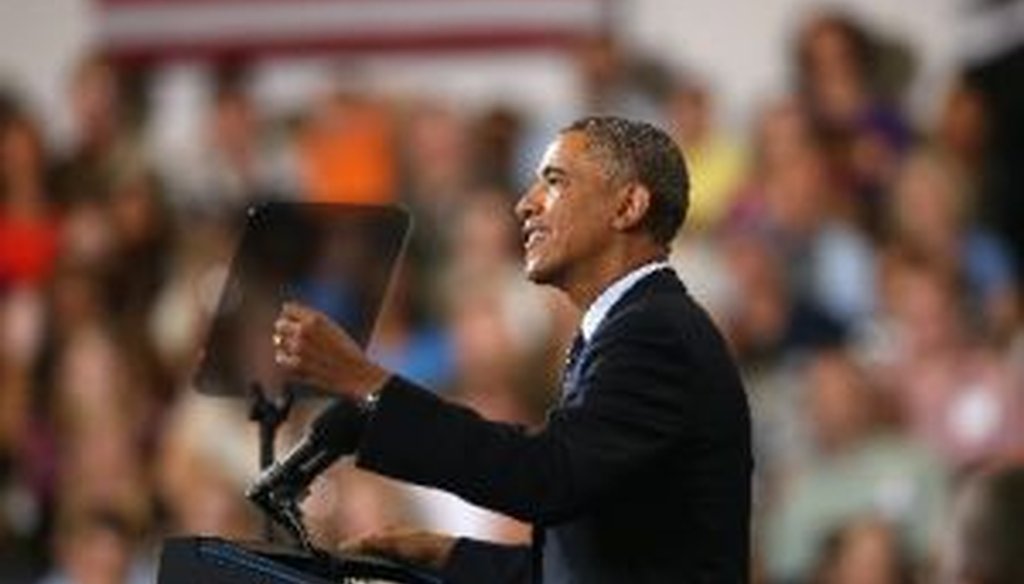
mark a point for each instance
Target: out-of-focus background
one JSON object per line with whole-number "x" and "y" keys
{"x": 855, "y": 230}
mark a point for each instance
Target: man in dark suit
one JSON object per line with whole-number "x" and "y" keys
{"x": 642, "y": 473}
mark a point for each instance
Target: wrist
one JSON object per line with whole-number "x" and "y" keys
{"x": 368, "y": 384}
{"x": 368, "y": 403}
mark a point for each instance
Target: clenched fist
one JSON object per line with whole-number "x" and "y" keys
{"x": 312, "y": 349}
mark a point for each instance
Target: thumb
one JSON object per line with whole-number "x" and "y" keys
{"x": 364, "y": 544}
{"x": 352, "y": 545}
{"x": 382, "y": 544}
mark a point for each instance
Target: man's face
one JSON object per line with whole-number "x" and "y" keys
{"x": 566, "y": 214}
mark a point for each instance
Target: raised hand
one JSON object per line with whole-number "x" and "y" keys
{"x": 314, "y": 350}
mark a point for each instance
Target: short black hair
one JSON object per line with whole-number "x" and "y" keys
{"x": 638, "y": 151}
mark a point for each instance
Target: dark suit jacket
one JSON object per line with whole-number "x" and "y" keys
{"x": 641, "y": 475}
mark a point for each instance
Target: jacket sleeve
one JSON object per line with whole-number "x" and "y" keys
{"x": 641, "y": 398}
{"x": 479, "y": 562}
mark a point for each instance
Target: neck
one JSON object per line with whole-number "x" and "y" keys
{"x": 583, "y": 290}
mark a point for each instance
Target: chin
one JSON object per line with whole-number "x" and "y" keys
{"x": 533, "y": 275}
{"x": 541, "y": 274}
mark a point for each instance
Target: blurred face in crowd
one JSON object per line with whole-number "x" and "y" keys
{"x": 761, "y": 310}
{"x": 781, "y": 133}
{"x": 437, "y": 150}
{"x": 867, "y": 553}
{"x": 927, "y": 206}
{"x": 839, "y": 402}
{"x": 135, "y": 211}
{"x": 690, "y": 110}
{"x": 567, "y": 214}
{"x": 20, "y": 156}
{"x": 96, "y": 554}
{"x": 797, "y": 192}
{"x": 210, "y": 505}
{"x": 485, "y": 233}
{"x": 830, "y": 53}
{"x": 962, "y": 126}
{"x": 925, "y": 308}
{"x": 87, "y": 234}
{"x": 234, "y": 122}
{"x": 94, "y": 100}
{"x": 600, "y": 63}
{"x": 77, "y": 299}
{"x": 480, "y": 330}
{"x": 833, "y": 68}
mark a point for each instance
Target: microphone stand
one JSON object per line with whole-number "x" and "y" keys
{"x": 270, "y": 415}
{"x": 285, "y": 511}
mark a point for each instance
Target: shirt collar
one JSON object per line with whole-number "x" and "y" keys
{"x": 599, "y": 308}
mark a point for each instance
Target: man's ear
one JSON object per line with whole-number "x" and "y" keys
{"x": 634, "y": 203}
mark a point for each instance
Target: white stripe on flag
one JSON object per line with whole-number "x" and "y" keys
{"x": 122, "y": 25}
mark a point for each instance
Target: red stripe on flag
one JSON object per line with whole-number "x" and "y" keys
{"x": 139, "y": 54}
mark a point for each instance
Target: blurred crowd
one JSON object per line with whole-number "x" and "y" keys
{"x": 842, "y": 243}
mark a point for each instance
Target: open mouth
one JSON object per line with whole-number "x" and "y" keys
{"x": 532, "y": 236}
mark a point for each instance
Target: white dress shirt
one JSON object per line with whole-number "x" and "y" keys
{"x": 599, "y": 308}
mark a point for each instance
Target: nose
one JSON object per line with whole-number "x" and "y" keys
{"x": 526, "y": 207}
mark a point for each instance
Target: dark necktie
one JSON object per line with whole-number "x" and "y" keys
{"x": 569, "y": 389}
{"x": 570, "y": 373}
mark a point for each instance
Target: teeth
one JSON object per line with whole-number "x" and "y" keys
{"x": 533, "y": 237}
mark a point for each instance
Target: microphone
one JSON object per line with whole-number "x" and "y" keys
{"x": 333, "y": 434}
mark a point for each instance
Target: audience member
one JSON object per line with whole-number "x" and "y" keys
{"x": 860, "y": 469}
{"x": 985, "y": 544}
{"x": 715, "y": 161}
{"x": 29, "y": 227}
{"x": 99, "y": 545}
{"x": 864, "y": 552}
{"x": 931, "y": 216}
{"x": 957, "y": 394}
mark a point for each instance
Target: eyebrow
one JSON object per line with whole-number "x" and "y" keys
{"x": 549, "y": 171}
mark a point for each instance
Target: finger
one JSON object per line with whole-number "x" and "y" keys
{"x": 286, "y": 328}
{"x": 353, "y": 545}
{"x": 291, "y": 345}
{"x": 287, "y": 317}
{"x": 296, "y": 311}
{"x": 378, "y": 545}
{"x": 287, "y": 361}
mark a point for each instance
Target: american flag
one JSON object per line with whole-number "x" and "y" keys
{"x": 162, "y": 29}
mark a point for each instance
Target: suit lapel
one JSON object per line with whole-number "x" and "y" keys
{"x": 572, "y": 390}
{"x": 658, "y": 280}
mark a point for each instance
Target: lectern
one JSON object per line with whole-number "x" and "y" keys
{"x": 211, "y": 560}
